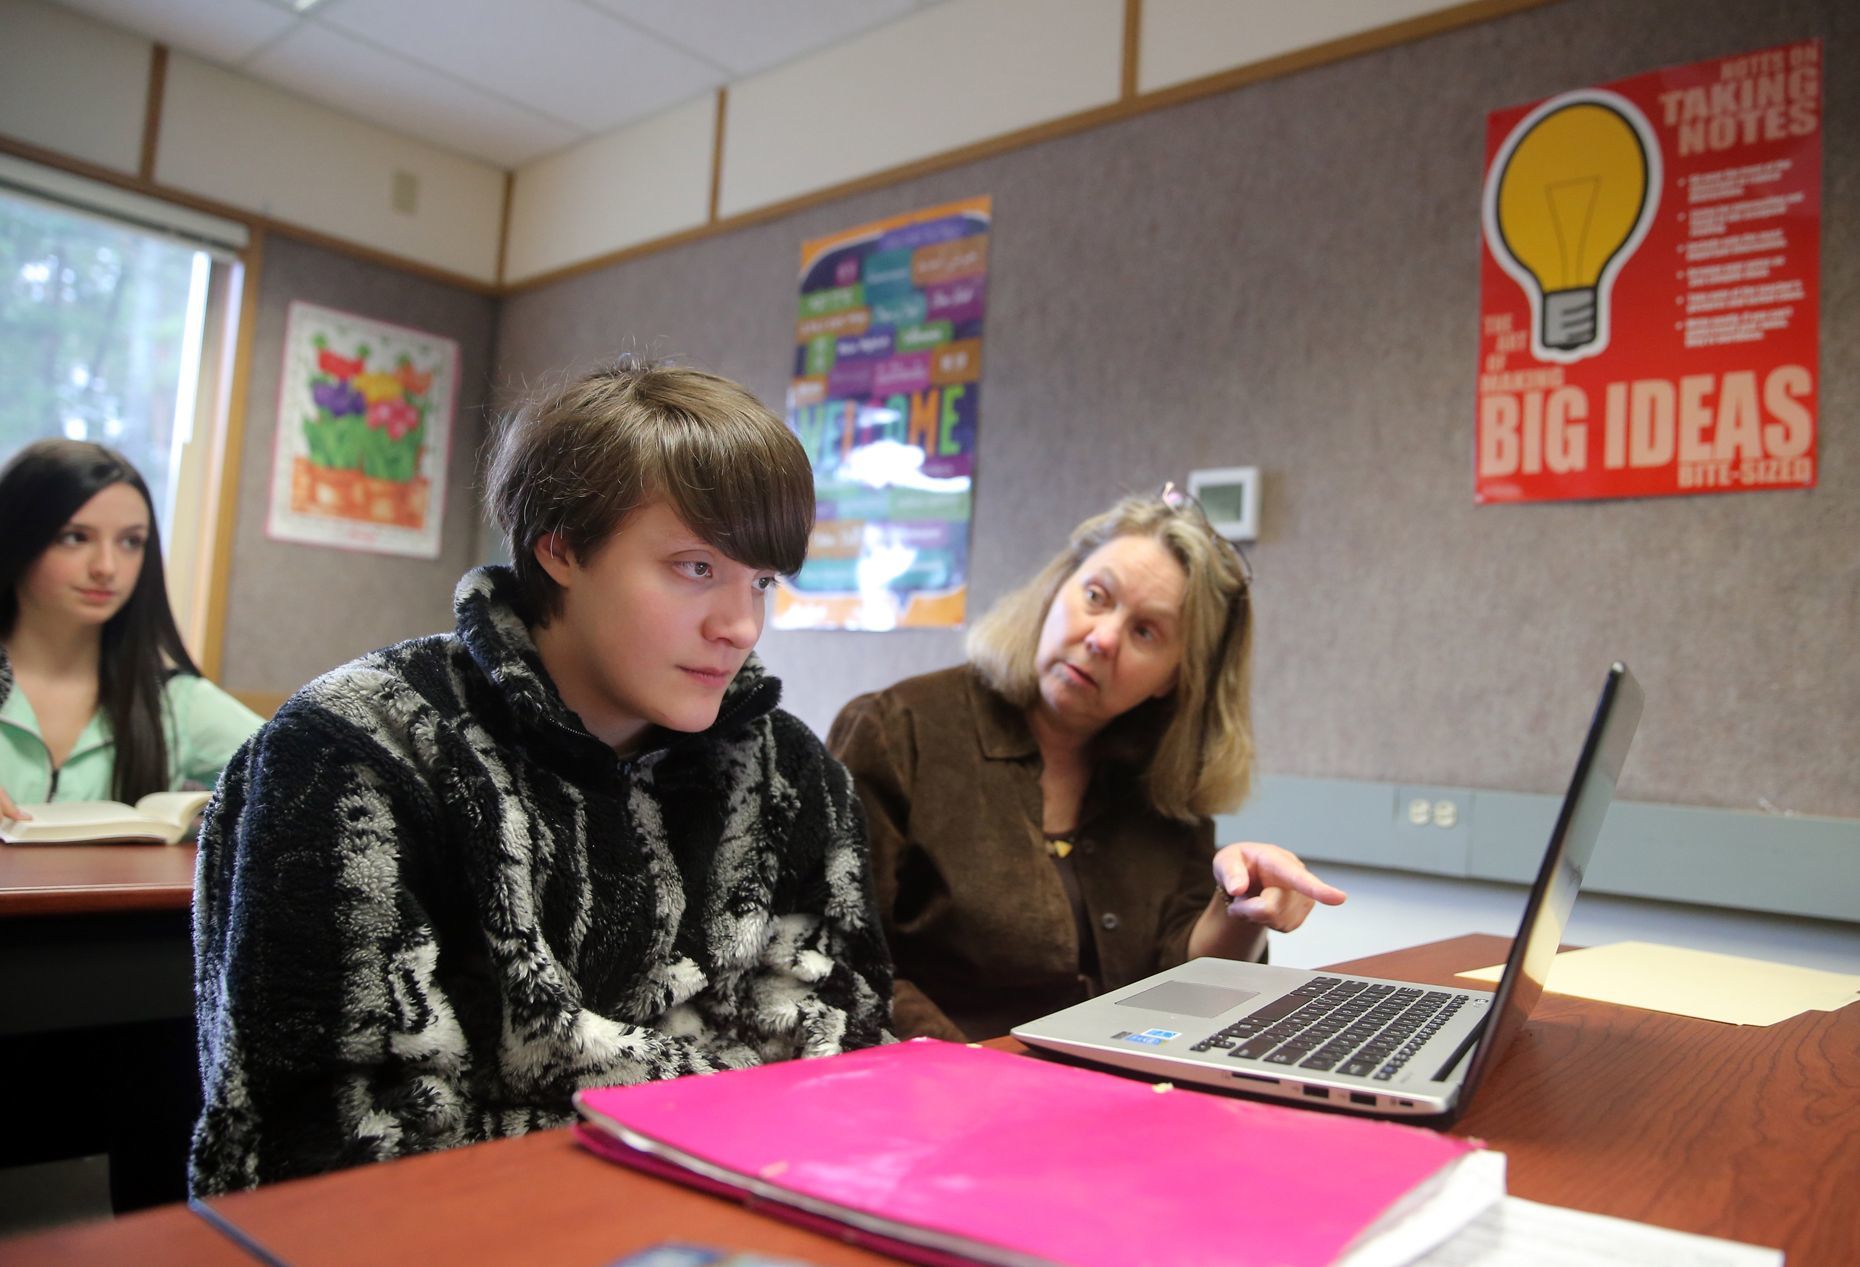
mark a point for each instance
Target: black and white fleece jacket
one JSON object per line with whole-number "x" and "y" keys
{"x": 430, "y": 906}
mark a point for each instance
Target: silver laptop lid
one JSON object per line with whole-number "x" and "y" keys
{"x": 1566, "y": 862}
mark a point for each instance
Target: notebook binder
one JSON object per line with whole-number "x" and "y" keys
{"x": 946, "y": 1153}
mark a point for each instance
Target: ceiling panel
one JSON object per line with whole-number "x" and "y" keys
{"x": 752, "y": 35}
{"x": 572, "y": 62}
{"x": 503, "y": 81}
{"x": 224, "y": 31}
{"x": 341, "y": 71}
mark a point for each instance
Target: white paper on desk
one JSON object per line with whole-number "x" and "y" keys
{"x": 1519, "y": 1233}
{"x": 1715, "y": 987}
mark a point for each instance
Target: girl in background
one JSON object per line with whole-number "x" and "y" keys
{"x": 99, "y": 699}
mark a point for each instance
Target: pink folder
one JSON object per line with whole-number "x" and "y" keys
{"x": 946, "y": 1153}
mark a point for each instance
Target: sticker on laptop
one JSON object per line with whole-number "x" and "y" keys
{"x": 1148, "y": 1038}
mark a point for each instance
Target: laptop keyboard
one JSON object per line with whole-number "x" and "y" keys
{"x": 1337, "y": 1024}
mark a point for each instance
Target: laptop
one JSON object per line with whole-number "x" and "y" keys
{"x": 1366, "y": 1045}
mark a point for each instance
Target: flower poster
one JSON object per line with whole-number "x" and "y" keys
{"x": 364, "y": 430}
{"x": 886, "y": 393}
{"x": 1649, "y": 299}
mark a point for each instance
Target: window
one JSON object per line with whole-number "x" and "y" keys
{"x": 114, "y": 311}
{"x": 99, "y": 336}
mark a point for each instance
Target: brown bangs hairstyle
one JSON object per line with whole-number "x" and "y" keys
{"x": 1198, "y": 740}
{"x": 578, "y": 459}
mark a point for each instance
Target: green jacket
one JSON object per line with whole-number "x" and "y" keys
{"x": 205, "y": 727}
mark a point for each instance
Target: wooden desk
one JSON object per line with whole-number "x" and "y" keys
{"x": 94, "y": 935}
{"x": 172, "y": 1236}
{"x": 85, "y": 879}
{"x": 1751, "y": 1134}
{"x": 97, "y": 988}
{"x": 535, "y": 1199}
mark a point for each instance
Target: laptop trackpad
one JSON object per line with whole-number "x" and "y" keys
{"x": 1185, "y": 998}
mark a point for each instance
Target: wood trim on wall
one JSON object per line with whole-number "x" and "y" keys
{"x": 503, "y": 225}
{"x": 151, "y": 115}
{"x": 1133, "y": 46}
{"x": 1098, "y": 116}
{"x": 257, "y": 223}
{"x": 877, "y": 180}
{"x": 223, "y": 491}
{"x": 283, "y": 228}
{"x": 716, "y": 152}
{"x": 1129, "y": 105}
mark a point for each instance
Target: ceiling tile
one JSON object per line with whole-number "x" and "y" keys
{"x": 224, "y": 31}
{"x": 576, "y": 64}
{"x": 362, "y": 80}
{"x": 505, "y": 81}
{"x": 753, "y": 35}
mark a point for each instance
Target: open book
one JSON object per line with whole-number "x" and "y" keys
{"x": 942, "y": 1153}
{"x": 160, "y": 818}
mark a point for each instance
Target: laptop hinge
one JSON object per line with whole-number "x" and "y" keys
{"x": 1466, "y": 1044}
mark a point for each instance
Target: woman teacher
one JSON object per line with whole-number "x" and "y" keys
{"x": 1041, "y": 816}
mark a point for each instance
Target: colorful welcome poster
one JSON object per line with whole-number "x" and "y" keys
{"x": 886, "y": 394}
{"x": 364, "y": 430}
{"x": 1650, "y": 284}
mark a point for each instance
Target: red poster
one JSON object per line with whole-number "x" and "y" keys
{"x": 1649, "y": 287}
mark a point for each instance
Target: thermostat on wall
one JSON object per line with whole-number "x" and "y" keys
{"x": 1230, "y": 495}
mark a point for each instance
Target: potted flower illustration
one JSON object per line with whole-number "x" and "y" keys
{"x": 363, "y": 440}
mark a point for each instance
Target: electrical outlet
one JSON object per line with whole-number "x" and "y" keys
{"x": 1432, "y": 829}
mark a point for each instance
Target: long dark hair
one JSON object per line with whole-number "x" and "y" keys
{"x": 40, "y": 489}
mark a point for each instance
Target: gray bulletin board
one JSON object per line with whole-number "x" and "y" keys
{"x": 1286, "y": 276}
{"x": 294, "y": 611}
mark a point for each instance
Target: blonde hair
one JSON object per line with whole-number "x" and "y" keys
{"x": 579, "y": 459}
{"x": 1201, "y": 735}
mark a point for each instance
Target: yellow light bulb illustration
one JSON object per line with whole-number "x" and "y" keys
{"x": 1571, "y": 194}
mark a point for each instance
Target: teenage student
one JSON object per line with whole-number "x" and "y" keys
{"x": 99, "y": 699}
{"x": 572, "y": 843}
{"x": 1040, "y": 816}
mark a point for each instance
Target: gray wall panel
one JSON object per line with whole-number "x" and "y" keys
{"x": 293, "y": 610}
{"x": 1286, "y": 275}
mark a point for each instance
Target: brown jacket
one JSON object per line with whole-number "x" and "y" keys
{"x": 978, "y": 919}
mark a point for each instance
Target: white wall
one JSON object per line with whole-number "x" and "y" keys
{"x": 251, "y": 146}
{"x": 646, "y": 181}
{"x": 950, "y": 76}
{"x": 80, "y": 88}
{"x": 72, "y": 85}
{"x": 947, "y": 77}
{"x": 1192, "y": 39}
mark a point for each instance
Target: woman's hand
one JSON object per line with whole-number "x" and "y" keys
{"x": 1257, "y": 887}
{"x": 9, "y": 810}
{"x": 1269, "y": 885}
